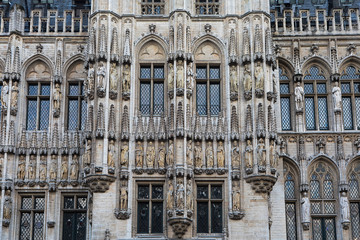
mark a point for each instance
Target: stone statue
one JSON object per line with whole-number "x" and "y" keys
{"x": 43, "y": 170}
{"x": 101, "y": 73}
{"x": 170, "y": 154}
{"x": 236, "y": 197}
{"x": 261, "y": 153}
{"x": 170, "y": 196}
{"x": 74, "y": 168}
{"x": 247, "y": 78}
{"x": 209, "y": 153}
{"x": 7, "y": 210}
{"x": 64, "y": 168}
{"x": 4, "y": 94}
{"x": 235, "y": 155}
{"x": 139, "y": 152}
{"x": 197, "y": 155}
{"x": 162, "y": 155}
{"x": 249, "y": 154}
{"x": 126, "y": 78}
{"x": 113, "y": 77}
{"x": 150, "y": 155}
{"x": 57, "y": 97}
{"x": 344, "y": 206}
{"x": 53, "y": 167}
{"x": 171, "y": 76}
{"x": 87, "y": 154}
{"x": 189, "y": 196}
{"x": 31, "y": 171}
{"x": 336, "y": 91}
{"x": 305, "y": 208}
{"x": 190, "y": 76}
{"x": 221, "y": 155}
{"x": 14, "y": 95}
{"x": 111, "y": 154}
{"x": 259, "y": 76}
{"x": 189, "y": 160}
{"x": 21, "y": 168}
{"x": 273, "y": 154}
{"x": 180, "y": 194}
{"x": 299, "y": 97}
{"x": 124, "y": 156}
{"x": 180, "y": 74}
{"x": 234, "y": 84}
{"x": 123, "y": 198}
{"x": 89, "y": 85}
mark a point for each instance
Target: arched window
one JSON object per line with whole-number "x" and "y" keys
{"x": 350, "y": 89}
{"x": 354, "y": 198}
{"x": 291, "y": 191}
{"x": 38, "y": 96}
{"x": 208, "y": 79}
{"x": 76, "y": 103}
{"x": 316, "y": 102}
{"x": 285, "y": 99}
{"x": 323, "y": 202}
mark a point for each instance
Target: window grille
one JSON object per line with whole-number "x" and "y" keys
{"x": 290, "y": 203}
{"x": 38, "y": 106}
{"x": 74, "y": 217}
{"x": 76, "y": 106}
{"x": 354, "y": 199}
{"x": 207, "y": 7}
{"x": 285, "y": 100}
{"x": 32, "y": 217}
{"x": 152, "y": 7}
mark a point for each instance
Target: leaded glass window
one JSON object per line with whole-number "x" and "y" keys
{"x": 210, "y": 7}
{"x": 208, "y": 91}
{"x": 150, "y": 208}
{"x": 152, "y": 90}
{"x": 32, "y": 217}
{"x": 74, "y": 217}
{"x": 350, "y": 90}
{"x": 354, "y": 199}
{"x": 209, "y": 208}
{"x": 316, "y": 99}
{"x": 285, "y": 101}
{"x": 323, "y": 202}
{"x": 152, "y": 7}
{"x": 38, "y": 106}
{"x": 76, "y": 106}
{"x": 290, "y": 202}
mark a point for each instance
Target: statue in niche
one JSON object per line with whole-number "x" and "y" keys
{"x": 197, "y": 155}
{"x": 162, "y": 155}
{"x": 1, "y": 164}
{"x": 189, "y": 196}
{"x": 235, "y": 155}
{"x": 21, "y": 168}
{"x": 261, "y": 153}
{"x": 57, "y": 98}
{"x": 14, "y": 95}
{"x": 113, "y": 77}
{"x": 336, "y": 92}
{"x": 123, "y": 198}
{"x": 299, "y": 97}
{"x": 190, "y": 76}
{"x": 111, "y": 154}
{"x": 236, "y": 196}
{"x": 43, "y": 170}
{"x": 124, "y": 156}
{"x": 221, "y": 155}
{"x": 247, "y": 78}
{"x": 209, "y": 153}
{"x": 53, "y": 167}
{"x": 189, "y": 160}
{"x": 101, "y": 73}
{"x": 150, "y": 155}
{"x": 139, "y": 153}
{"x": 305, "y": 208}
{"x": 180, "y": 74}
{"x": 74, "y": 168}
{"x": 87, "y": 154}
{"x": 89, "y": 83}
{"x": 64, "y": 168}
{"x": 170, "y": 196}
{"x": 126, "y": 78}
{"x": 234, "y": 84}
{"x": 180, "y": 194}
{"x": 344, "y": 206}
{"x": 31, "y": 171}
{"x": 171, "y": 77}
{"x": 4, "y": 94}
{"x": 170, "y": 154}
{"x": 259, "y": 76}
{"x": 7, "y": 210}
{"x": 249, "y": 154}
{"x": 273, "y": 154}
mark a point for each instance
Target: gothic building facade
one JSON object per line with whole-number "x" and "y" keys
{"x": 186, "y": 119}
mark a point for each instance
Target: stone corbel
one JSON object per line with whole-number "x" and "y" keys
{"x": 99, "y": 183}
{"x": 335, "y": 77}
{"x": 261, "y": 183}
{"x": 236, "y": 215}
{"x": 179, "y": 225}
{"x": 122, "y": 214}
{"x": 298, "y": 77}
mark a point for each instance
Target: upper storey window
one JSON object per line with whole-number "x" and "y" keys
{"x": 207, "y": 7}
{"x": 285, "y": 95}
{"x": 152, "y": 7}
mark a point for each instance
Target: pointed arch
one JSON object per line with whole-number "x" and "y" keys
{"x": 148, "y": 40}
{"x": 317, "y": 61}
{"x": 210, "y": 39}
{"x": 38, "y": 57}
{"x": 69, "y": 62}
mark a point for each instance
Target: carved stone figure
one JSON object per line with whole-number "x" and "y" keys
{"x": 209, "y": 153}
{"x": 64, "y": 168}
{"x": 299, "y": 97}
{"x": 234, "y": 83}
{"x": 57, "y": 97}
{"x": 150, "y": 155}
{"x": 7, "y": 210}
{"x": 89, "y": 85}
{"x": 197, "y": 155}
{"x": 170, "y": 196}
{"x": 124, "y": 156}
{"x": 101, "y": 73}
{"x": 236, "y": 197}
{"x": 87, "y": 154}
{"x": 126, "y": 78}
{"x": 4, "y": 94}
{"x": 111, "y": 154}
{"x": 305, "y": 208}
{"x": 261, "y": 153}
{"x": 21, "y": 168}
{"x": 171, "y": 76}
{"x": 123, "y": 198}
{"x": 189, "y": 196}
{"x": 113, "y": 77}
{"x": 189, "y": 160}
{"x": 259, "y": 76}
{"x": 336, "y": 92}
{"x": 247, "y": 78}
{"x": 14, "y": 95}
{"x": 190, "y": 76}
{"x": 31, "y": 171}
{"x": 220, "y": 155}
{"x": 162, "y": 155}
{"x": 74, "y": 168}
{"x": 180, "y": 194}
{"x": 43, "y": 169}
{"x": 344, "y": 207}
{"x": 273, "y": 154}
{"x": 170, "y": 154}
{"x": 180, "y": 74}
{"x": 249, "y": 154}
{"x": 235, "y": 155}
{"x": 53, "y": 167}
{"x": 139, "y": 152}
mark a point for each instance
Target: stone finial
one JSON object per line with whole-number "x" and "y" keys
{"x": 33, "y": 142}
{"x": 180, "y": 38}
{"x": 246, "y": 45}
{"x": 114, "y": 45}
{"x": 207, "y": 28}
{"x": 197, "y": 128}
{"x": 58, "y": 72}
{"x": 89, "y": 120}
{"x": 11, "y": 140}
{"x": 249, "y": 123}
{"x": 302, "y": 154}
{"x": 209, "y": 128}
{"x": 234, "y": 126}
{"x": 125, "y": 125}
{"x": 91, "y": 44}
{"x": 171, "y": 40}
{"x": 127, "y": 48}
{"x": 112, "y": 122}
{"x": 258, "y": 47}
{"x": 139, "y": 127}
{"x": 260, "y": 130}
{"x": 16, "y": 65}
{"x": 296, "y": 57}
{"x": 7, "y": 69}
{"x": 102, "y": 42}
{"x": 340, "y": 148}
{"x": 188, "y": 39}
{"x": 220, "y": 128}
{"x": 180, "y": 120}
{"x": 232, "y": 43}
{"x": 100, "y": 121}
{"x": 23, "y": 140}
{"x": 55, "y": 137}
{"x": 171, "y": 119}
{"x": 151, "y": 128}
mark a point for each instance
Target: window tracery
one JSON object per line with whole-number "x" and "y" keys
{"x": 291, "y": 190}
{"x": 285, "y": 99}
{"x": 152, "y": 7}
{"x": 354, "y": 198}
